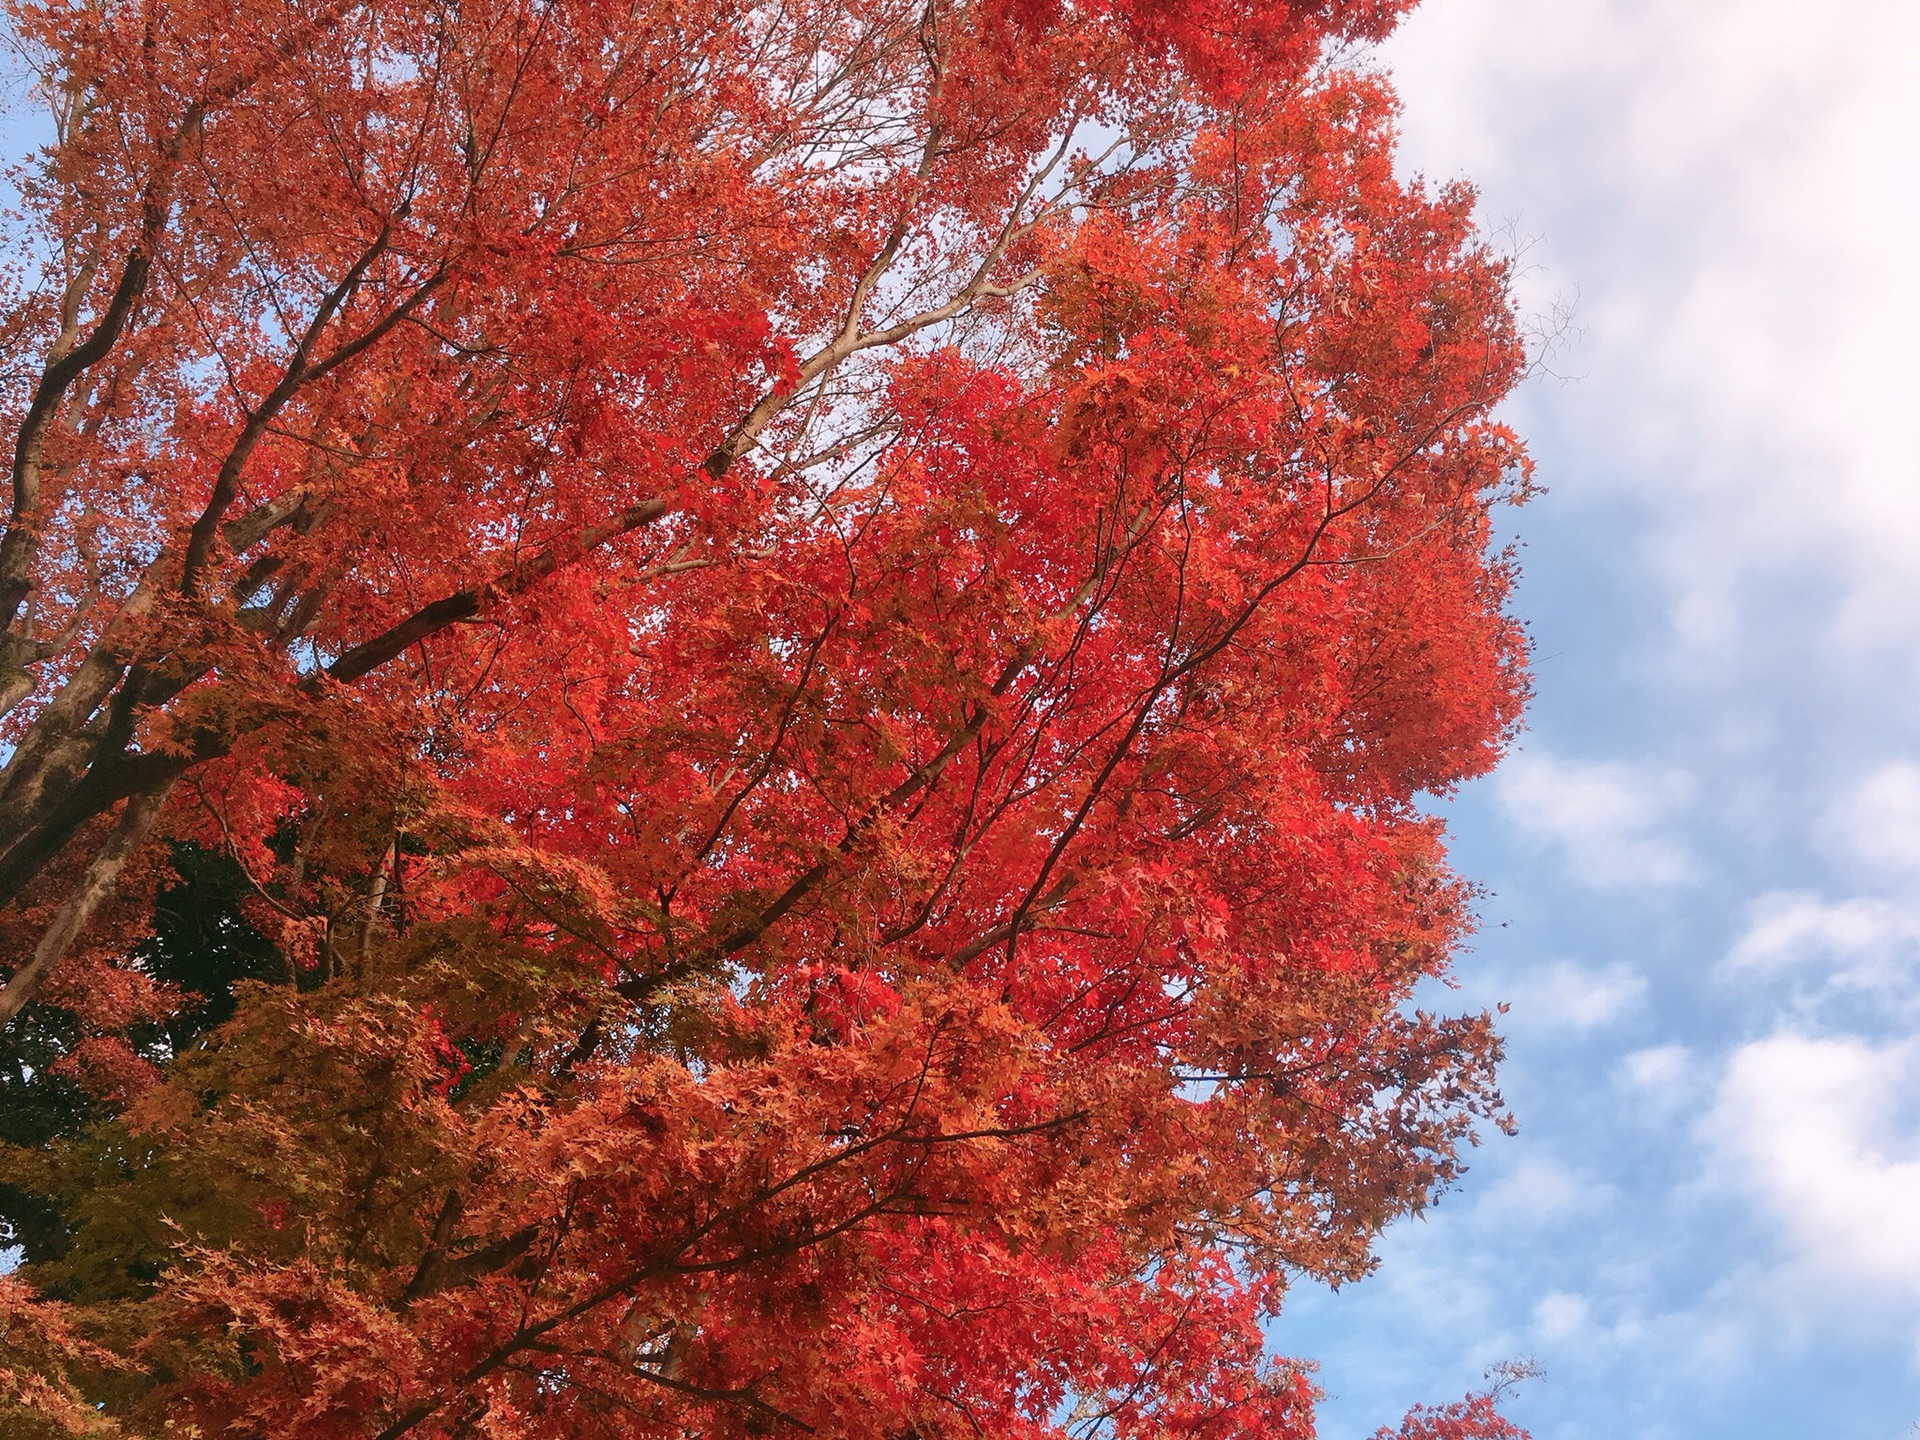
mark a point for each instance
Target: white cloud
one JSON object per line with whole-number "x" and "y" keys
{"x": 1660, "y": 1068}
{"x": 1878, "y": 821}
{"x": 1538, "y": 1191}
{"x": 1575, "y": 997}
{"x": 1609, "y": 819}
{"x": 1814, "y": 1127}
{"x": 1717, "y": 180}
{"x": 1561, "y": 1316}
{"x": 1860, "y": 942}
{"x": 1662, "y": 1080}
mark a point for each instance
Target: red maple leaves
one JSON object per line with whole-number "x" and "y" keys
{"x": 794, "y": 649}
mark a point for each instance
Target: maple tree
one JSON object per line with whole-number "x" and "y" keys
{"x": 716, "y": 713}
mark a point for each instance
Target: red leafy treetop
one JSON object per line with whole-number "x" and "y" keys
{"x": 788, "y": 652}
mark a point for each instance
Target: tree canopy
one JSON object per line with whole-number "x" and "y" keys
{"x": 718, "y": 712}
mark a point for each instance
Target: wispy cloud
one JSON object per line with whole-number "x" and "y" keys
{"x": 1567, "y": 996}
{"x": 1877, "y": 821}
{"x": 1858, "y": 942}
{"x": 1611, "y": 822}
{"x": 1538, "y": 1191}
{"x": 1661, "y": 1081}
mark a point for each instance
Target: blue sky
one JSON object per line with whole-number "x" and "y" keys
{"x": 1705, "y": 854}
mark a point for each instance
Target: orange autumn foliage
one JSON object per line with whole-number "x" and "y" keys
{"x": 809, "y": 637}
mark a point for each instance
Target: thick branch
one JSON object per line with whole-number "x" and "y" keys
{"x": 465, "y": 604}
{"x": 101, "y": 877}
